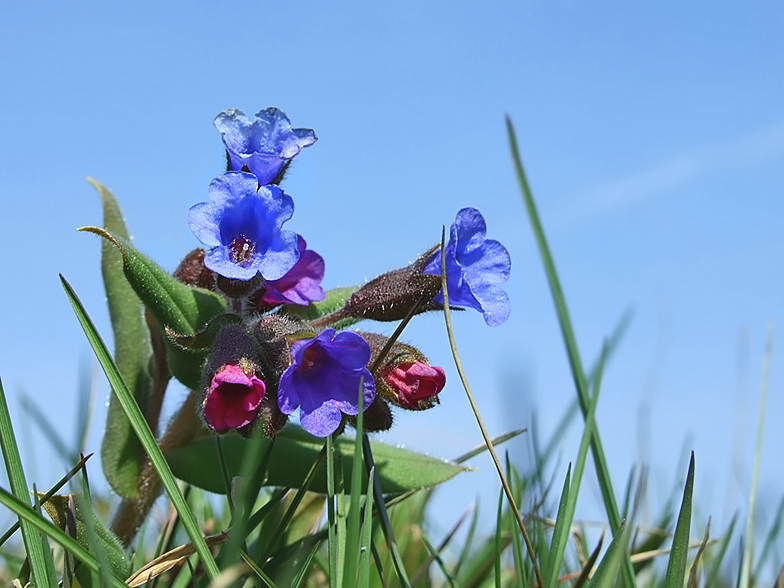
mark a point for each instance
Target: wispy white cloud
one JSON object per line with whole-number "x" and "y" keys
{"x": 673, "y": 173}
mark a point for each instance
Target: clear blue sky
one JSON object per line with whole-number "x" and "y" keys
{"x": 653, "y": 138}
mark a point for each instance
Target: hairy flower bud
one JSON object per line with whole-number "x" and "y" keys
{"x": 193, "y": 272}
{"x": 234, "y": 390}
{"x": 391, "y": 296}
{"x": 405, "y": 377}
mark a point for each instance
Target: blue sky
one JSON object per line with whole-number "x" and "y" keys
{"x": 653, "y": 137}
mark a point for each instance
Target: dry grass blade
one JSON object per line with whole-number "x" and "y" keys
{"x": 170, "y": 559}
{"x": 588, "y": 566}
{"x": 692, "y": 581}
{"x": 780, "y": 579}
{"x": 646, "y": 555}
{"x": 422, "y": 569}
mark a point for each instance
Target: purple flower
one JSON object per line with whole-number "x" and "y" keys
{"x": 243, "y": 223}
{"x": 323, "y": 380}
{"x": 301, "y": 284}
{"x": 474, "y": 265}
{"x": 265, "y": 145}
{"x": 233, "y": 399}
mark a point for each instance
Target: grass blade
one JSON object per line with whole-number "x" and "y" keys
{"x": 40, "y": 524}
{"x": 52, "y": 491}
{"x": 495, "y": 442}
{"x": 578, "y": 373}
{"x": 676, "y": 567}
{"x": 574, "y": 490}
{"x": 478, "y": 417}
{"x": 16, "y": 477}
{"x": 718, "y": 559}
{"x": 143, "y": 433}
{"x": 332, "y": 524}
{"x": 352, "y": 540}
{"x": 583, "y": 577}
{"x": 745, "y": 574}
{"x": 386, "y": 526}
{"x": 550, "y": 572}
{"x": 498, "y": 543}
{"x": 367, "y": 534}
{"x": 607, "y": 570}
{"x": 692, "y": 581}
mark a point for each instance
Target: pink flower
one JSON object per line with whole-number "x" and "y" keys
{"x": 233, "y": 399}
{"x": 414, "y": 385}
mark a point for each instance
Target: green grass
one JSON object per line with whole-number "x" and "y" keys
{"x": 355, "y": 534}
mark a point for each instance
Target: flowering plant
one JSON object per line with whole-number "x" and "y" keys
{"x": 246, "y": 325}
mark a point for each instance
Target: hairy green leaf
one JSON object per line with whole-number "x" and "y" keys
{"x": 183, "y": 309}
{"x": 295, "y": 451}
{"x": 120, "y": 449}
{"x": 119, "y": 563}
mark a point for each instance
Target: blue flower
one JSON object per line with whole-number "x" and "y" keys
{"x": 474, "y": 265}
{"x": 243, "y": 223}
{"x": 265, "y": 145}
{"x": 323, "y": 380}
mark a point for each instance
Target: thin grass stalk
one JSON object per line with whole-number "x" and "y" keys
{"x": 50, "y": 530}
{"x": 363, "y": 578}
{"x": 34, "y": 548}
{"x": 52, "y": 491}
{"x": 578, "y": 374}
{"x": 579, "y": 468}
{"x": 475, "y": 409}
{"x": 224, "y": 470}
{"x": 498, "y": 547}
{"x": 332, "y": 541}
{"x": 142, "y": 430}
{"x": 719, "y": 558}
{"x": 436, "y": 556}
{"x": 352, "y": 540}
{"x": 773, "y": 534}
{"x": 748, "y": 555}
{"x": 386, "y": 525}
{"x": 292, "y": 509}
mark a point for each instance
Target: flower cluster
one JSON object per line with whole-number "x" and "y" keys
{"x": 285, "y": 351}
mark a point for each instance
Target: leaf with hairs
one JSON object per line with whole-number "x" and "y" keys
{"x": 295, "y": 451}
{"x": 185, "y": 310}
{"x": 121, "y": 453}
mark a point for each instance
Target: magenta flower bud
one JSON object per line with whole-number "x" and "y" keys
{"x": 233, "y": 398}
{"x": 414, "y": 385}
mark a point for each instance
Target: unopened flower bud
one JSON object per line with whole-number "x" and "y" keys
{"x": 233, "y": 384}
{"x": 193, "y": 272}
{"x": 405, "y": 377}
{"x": 391, "y": 296}
{"x": 376, "y": 417}
{"x": 414, "y": 385}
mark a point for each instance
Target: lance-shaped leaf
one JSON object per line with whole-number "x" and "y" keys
{"x": 120, "y": 449}
{"x": 183, "y": 309}
{"x": 64, "y": 515}
{"x": 292, "y": 456}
